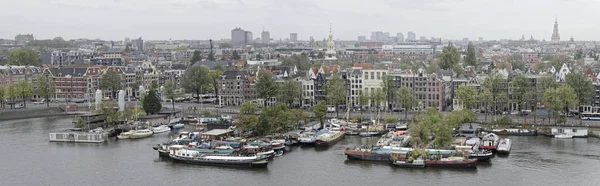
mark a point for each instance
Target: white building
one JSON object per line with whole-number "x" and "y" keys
{"x": 562, "y": 73}
{"x": 407, "y": 50}
{"x": 372, "y": 81}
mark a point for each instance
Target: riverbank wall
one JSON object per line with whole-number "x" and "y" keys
{"x": 26, "y": 113}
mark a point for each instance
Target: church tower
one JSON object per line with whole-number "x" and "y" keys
{"x": 555, "y": 36}
{"x": 330, "y": 53}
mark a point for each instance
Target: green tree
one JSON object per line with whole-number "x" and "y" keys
{"x": 377, "y": 97}
{"x": 516, "y": 61}
{"x": 150, "y": 103}
{"x": 266, "y": 86}
{"x": 214, "y": 75}
{"x": 406, "y": 99}
{"x": 248, "y": 108}
{"x": 197, "y": 56}
{"x": 80, "y": 123}
{"x": 388, "y": 90}
{"x": 111, "y": 81}
{"x": 24, "y": 90}
{"x": 247, "y": 118}
{"x": 449, "y": 57}
{"x": 559, "y": 99}
{"x": 290, "y": 91}
{"x": 456, "y": 118}
{"x": 493, "y": 84}
{"x": 467, "y": 95}
{"x": 362, "y": 100}
{"x": 578, "y": 54}
{"x": 470, "y": 59}
{"x": 109, "y": 110}
{"x": 11, "y": 93}
{"x": 582, "y": 86}
{"x": 320, "y": 111}
{"x": 24, "y": 57}
{"x": 196, "y": 80}
{"x": 45, "y": 89}
{"x": 276, "y": 119}
{"x": 321, "y": 55}
{"x": 2, "y": 95}
{"x": 336, "y": 92}
{"x": 235, "y": 55}
{"x": 520, "y": 85}
{"x": 486, "y": 98}
{"x": 169, "y": 91}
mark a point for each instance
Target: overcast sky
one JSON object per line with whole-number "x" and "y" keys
{"x": 204, "y": 19}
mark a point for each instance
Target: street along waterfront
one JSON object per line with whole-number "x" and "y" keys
{"x": 29, "y": 159}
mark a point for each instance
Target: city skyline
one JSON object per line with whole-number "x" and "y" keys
{"x": 156, "y": 20}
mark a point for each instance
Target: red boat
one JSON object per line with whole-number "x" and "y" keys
{"x": 490, "y": 142}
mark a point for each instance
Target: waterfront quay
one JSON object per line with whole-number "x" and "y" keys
{"x": 533, "y": 160}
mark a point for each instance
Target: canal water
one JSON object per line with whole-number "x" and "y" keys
{"x": 27, "y": 158}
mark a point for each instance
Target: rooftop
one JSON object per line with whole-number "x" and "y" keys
{"x": 217, "y": 132}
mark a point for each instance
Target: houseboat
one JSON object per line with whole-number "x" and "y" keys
{"x": 490, "y": 142}
{"x": 573, "y": 132}
{"x": 78, "y": 137}
{"x": 374, "y": 154}
{"x": 327, "y": 137}
{"x": 469, "y": 130}
{"x": 514, "y": 132}
{"x": 185, "y": 155}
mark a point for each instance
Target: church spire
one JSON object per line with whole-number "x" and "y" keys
{"x": 555, "y": 36}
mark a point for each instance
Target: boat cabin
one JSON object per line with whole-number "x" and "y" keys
{"x": 170, "y": 113}
{"x": 154, "y": 120}
{"x": 576, "y": 132}
{"x": 469, "y": 130}
{"x": 216, "y": 134}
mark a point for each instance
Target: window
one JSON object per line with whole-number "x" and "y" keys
{"x": 372, "y": 75}
{"x": 574, "y": 131}
{"x": 378, "y": 75}
{"x": 366, "y": 75}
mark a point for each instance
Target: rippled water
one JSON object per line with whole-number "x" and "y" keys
{"x": 29, "y": 159}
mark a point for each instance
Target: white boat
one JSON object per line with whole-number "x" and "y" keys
{"x": 177, "y": 126}
{"x": 307, "y": 138}
{"x": 161, "y": 129}
{"x": 141, "y": 134}
{"x": 126, "y": 135}
{"x": 563, "y": 136}
{"x": 504, "y": 147}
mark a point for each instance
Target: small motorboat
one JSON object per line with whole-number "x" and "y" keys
{"x": 177, "y": 126}
{"x": 563, "y": 136}
{"x": 504, "y": 147}
{"x": 161, "y": 129}
{"x": 141, "y": 134}
{"x": 278, "y": 153}
{"x": 126, "y": 135}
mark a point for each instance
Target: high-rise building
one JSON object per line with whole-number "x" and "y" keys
{"x": 265, "y": 36}
{"x": 555, "y": 36}
{"x": 238, "y": 37}
{"x": 399, "y": 37}
{"x": 362, "y": 38}
{"x": 248, "y": 38}
{"x": 22, "y": 39}
{"x": 293, "y": 37}
{"x": 138, "y": 43}
{"x": 411, "y": 36}
{"x": 423, "y": 39}
{"x": 376, "y": 36}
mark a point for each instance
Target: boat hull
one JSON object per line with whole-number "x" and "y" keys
{"x": 241, "y": 164}
{"x": 408, "y": 165}
{"x": 466, "y": 164}
{"x": 482, "y": 158}
{"x": 138, "y": 136}
{"x": 322, "y": 143}
{"x": 503, "y": 152}
{"x": 506, "y": 133}
{"x": 366, "y": 156}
